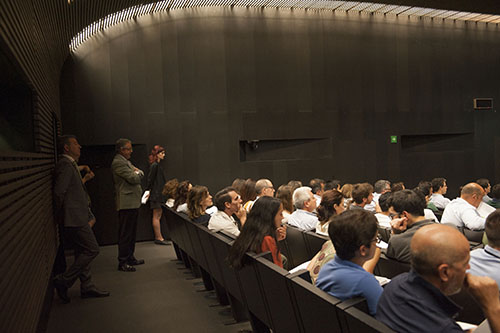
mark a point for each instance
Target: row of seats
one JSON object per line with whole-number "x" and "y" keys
{"x": 267, "y": 295}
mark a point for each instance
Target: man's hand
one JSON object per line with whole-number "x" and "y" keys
{"x": 84, "y": 168}
{"x": 242, "y": 215}
{"x": 88, "y": 176}
{"x": 399, "y": 225}
{"x": 485, "y": 291}
{"x": 281, "y": 233}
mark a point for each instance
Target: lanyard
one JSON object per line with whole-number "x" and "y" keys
{"x": 492, "y": 254}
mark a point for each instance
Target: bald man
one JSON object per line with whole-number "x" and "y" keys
{"x": 463, "y": 212}
{"x": 418, "y": 301}
{"x": 263, "y": 188}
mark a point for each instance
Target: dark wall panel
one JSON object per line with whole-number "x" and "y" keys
{"x": 202, "y": 80}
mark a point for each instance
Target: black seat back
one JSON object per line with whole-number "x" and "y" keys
{"x": 314, "y": 242}
{"x": 389, "y": 267}
{"x": 359, "y": 321}
{"x": 296, "y": 244}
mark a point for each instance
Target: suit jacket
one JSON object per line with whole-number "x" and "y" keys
{"x": 156, "y": 181}
{"x": 70, "y": 198}
{"x": 128, "y": 190}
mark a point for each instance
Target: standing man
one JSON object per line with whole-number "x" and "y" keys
{"x": 128, "y": 194}
{"x": 73, "y": 211}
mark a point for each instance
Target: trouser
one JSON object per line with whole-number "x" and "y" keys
{"x": 127, "y": 230}
{"x": 86, "y": 249}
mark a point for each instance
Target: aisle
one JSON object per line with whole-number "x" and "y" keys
{"x": 156, "y": 298}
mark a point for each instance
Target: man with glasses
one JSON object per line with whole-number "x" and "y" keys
{"x": 354, "y": 235}
{"x": 228, "y": 202}
{"x": 263, "y": 188}
{"x": 128, "y": 192}
{"x": 406, "y": 210}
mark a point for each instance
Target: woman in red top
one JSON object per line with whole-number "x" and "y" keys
{"x": 260, "y": 233}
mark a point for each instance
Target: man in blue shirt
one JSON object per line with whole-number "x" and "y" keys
{"x": 486, "y": 262}
{"x": 354, "y": 236}
{"x": 418, "y": 301}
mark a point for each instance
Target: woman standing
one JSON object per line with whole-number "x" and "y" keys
{"x": 260, "y": 233}
{"x": 156, "y": 181}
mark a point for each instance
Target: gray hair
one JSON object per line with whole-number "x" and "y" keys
{"x": 380, "y": 185}
{"x": 261, "y": 184}
{"x": 120, "y": 143}
{"x": 300, "y": 196}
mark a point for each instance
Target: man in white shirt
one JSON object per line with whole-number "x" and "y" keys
{"x": 381, "y": 186}
{"x": 263, "y": 188}
{"x": 463, "y": 212}
{"x": 486, "y": 262}
{"x": 485, "y": 184}
{"x": 383, "y": 218}
{"x": 303, "y": 217}
{"x": 228, "y": 202}
{"x": 362, "y": 195}
{"x": 439, "y": 189}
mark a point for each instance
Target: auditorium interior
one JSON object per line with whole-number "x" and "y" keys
{"x": 403, "y": 90}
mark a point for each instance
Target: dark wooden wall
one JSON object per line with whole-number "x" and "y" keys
{"x": 28, "y": 236}
{"x": 322, "y": 92}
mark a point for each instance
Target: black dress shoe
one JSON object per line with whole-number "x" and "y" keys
{"x": 126, "y": 268}
{"x": 135, "y": 262}
{"x": 162, "y": 242}
{"x": 94, "y": 293}
{"x": 62, "y": 291}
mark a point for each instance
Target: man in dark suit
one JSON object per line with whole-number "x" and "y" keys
{"x": 128, "y": 192}
{"x": 73, "y": 212}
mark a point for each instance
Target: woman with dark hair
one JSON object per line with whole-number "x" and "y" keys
{"x": 156, "y": 180}
{"x": 198, "y": 200}
{"x": 181, "y": 194}
{"x": 332, "y": 203}
{"x": 284, "y": 193}
{"x": 260, "y": 233}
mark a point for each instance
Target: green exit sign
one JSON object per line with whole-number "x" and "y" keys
{"x": 394, "y": 139}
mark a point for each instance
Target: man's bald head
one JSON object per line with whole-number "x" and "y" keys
{"x": 472, "y": 193}
{"x": 435, "y": 246}
{"x": 264, "y": 187}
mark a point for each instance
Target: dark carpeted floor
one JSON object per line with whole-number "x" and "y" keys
{"x": 156, "y": 298}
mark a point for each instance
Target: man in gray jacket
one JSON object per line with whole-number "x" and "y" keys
{"x": 73, "y": 212}
{"x": 128, "y": 192}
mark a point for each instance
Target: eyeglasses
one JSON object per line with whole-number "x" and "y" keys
{"x": 377, "y": 239}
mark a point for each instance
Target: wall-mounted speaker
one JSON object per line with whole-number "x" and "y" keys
{"x": 483, "y": 103}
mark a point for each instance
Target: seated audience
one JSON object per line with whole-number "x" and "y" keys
{"x": 263, "y": 188}
{"x": 183, "y": 189}
{"x": 248, "y": 191}
{"x": 198, "y": 200}
{"x": 362, "y": 195}
{"x": 383, "y": 218}
{"x": 169, "y": 191}
{"x": 284, "y": 193}
{"x": 304, "y": 217}
{"x": 407, "y": 209}
{"x": 354, "y": 235}
{"x": 426, "y": 187}
{"x": 381, "y": 186}
{"x": 347, "y": 193}
{"x": 332, "y": 185}
{"x": 485, "y": 184}
{"x": 228, "y": 202}
{"x": 261, "y": 232}
{"x": 486, "y": 262}
{"x": 439, "y": 189}
{"x": 495, "y": 196}
{"x": 317, "y": 187}
{"x": 418, "y": 301}
{"x": 332, "y": 203}
{"x": 398, "y": 186}
{"x": 294, "y": 184}
{"x": 428, "y": 213}
{"x": 462, "y": 212}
